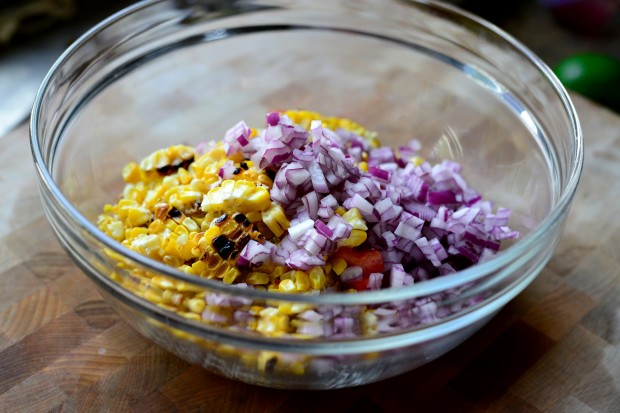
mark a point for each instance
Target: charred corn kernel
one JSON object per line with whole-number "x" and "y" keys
{"x": 356, "y": 239}
{"x": 241, "y": 196}
{"x": 302, "y": 281}
{"x": 276, "y": 219}
{"x": 338, "y": 265}
{"x": 267, "y": 361}
{"x": 363, "y": 166}
{"x": 169, "y": 157}
{"x": 354, "y": 218}
{"x": 317, "y": 278}
{"x": 196, "y": 305}
{"x": 287, "y": 286}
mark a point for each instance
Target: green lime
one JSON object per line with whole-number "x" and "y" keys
{"x": 594, "y": 75}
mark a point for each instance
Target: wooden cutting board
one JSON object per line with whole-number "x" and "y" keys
{"x": 555, "y": 348}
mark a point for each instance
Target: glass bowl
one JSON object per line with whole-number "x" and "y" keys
{"x": 168, "y": 72}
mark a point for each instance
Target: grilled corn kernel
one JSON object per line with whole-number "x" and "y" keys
{"x": 276, "y": 219}
{"x": 137, "y": 216}
{"x": 196, "y": 305}
{"x": 338, "y": 265}
{"x": 287, "y": 286}
{"x": 317, "y": 278}
{"x": 356, "y": 239}
{"x": 241, "y": 196}
{"x": 302, "y": 281}
{"x": 171, "y": 156}
{"x": 354, "y": 218}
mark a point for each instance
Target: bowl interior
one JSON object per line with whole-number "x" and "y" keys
{"x": 186, "y": 89}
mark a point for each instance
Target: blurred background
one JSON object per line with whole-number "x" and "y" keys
{"x": 579, "y": 38}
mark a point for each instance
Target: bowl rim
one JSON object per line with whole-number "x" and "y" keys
{"x": 425, "y": 288}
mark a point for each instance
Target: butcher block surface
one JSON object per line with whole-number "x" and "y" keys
{"x": 554, "y": 348}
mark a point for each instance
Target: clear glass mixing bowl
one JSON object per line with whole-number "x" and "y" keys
{"x": 168, "y": 72}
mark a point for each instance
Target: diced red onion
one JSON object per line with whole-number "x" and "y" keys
{"x": 351, "y": 274}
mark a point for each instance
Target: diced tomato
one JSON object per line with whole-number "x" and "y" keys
{"x": 371, "y": 261}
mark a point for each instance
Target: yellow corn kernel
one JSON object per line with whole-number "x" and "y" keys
{"x": 185, "y": 287}
{"x": 172, "y": 261}
{"x": 186, "y": 269}
{"x": 173, "y": 155}
{"x": 196, "y": 305}
{"x": 275, "y": 325}
{"x": 116, "y": 230}
{"x": 153, "y": 296}
{"x": 254, "y": 216}
{"x": 363, "y": 166}
{"x": 338, "y": 265}
{"x": 340, "y": 211}
{"x": 302, "y": 281}
{"x": 241, "y": 196}
{"x": 211, "y": 233}
{"x": 156, "y": 227}
{"x": 190, "y": 316}
{"x": 276, "y": 219}
{"x": 136, "y": 232}
{"x": 354, "y": 218}
{"x": 230, "y": 275}
{"x": 181, "y": 230}
{"x": 137, "y": 216}
{"x": 317, "y": 278}
{"x": 292, "y": 308}
{"x": 356, "y": 238}
{"x": 131, "y": 173}
{"x": 146, "y": 244}
{"x": 255, "y": 278}
{"x": 416, "y": 160}
{"x": 190, "y": 224}
{"x": 163, "y": 283}
{"x": 184, "y": 176}
{"x": 287, "y": 286}
{"x": 199, "y": 267}
{"x": 135, "y": 192}
{"x": 172, "y": 297}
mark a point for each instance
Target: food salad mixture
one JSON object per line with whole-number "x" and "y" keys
{"x": 309, "y": 205}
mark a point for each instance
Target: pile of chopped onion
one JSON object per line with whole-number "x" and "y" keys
{"x": 423, "y": 218}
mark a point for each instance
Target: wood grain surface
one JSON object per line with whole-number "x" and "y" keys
{"x": 555, "y": 348}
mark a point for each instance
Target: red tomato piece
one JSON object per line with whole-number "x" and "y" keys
{"x": 371, "y": 261}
